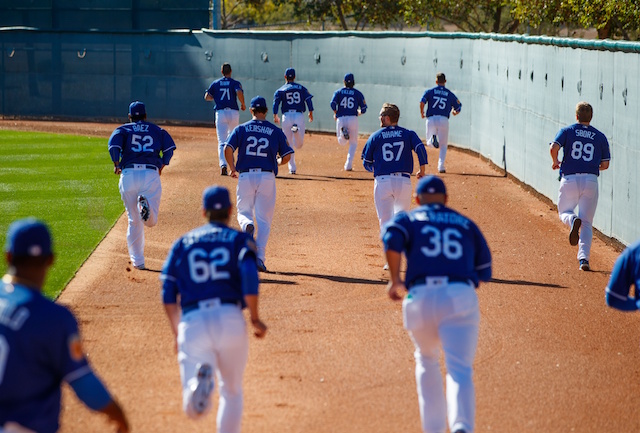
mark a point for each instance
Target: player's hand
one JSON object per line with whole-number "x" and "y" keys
{"x": 396, "y": 291}
{"x": 422, "y": 114}
{"x": 419, "y": 174}
{"x": 310, "y": 116}
{"x": 160, "y": 170}
{"x": 259, "y": 328}
{"x": 234, "y": 174}
{"x": 276, "y": 119}
{"x": 556, "y": 165}
{"x": 455, "y": 113}
{"x": 243, "y": 107}
{"x": 117, "y": 170}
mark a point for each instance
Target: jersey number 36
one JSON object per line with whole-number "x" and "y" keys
{"x": 446, "y": 242}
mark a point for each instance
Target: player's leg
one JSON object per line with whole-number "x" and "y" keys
{"x": 264, "y": 209}
{"x": 443, "y": 139}
{"x": 232, "y": 354}
{"x": 587, "y": 203}
{"x": 402, "y": 194}
{"x": 194, "y": 350}
{"x": 222, "y": 133}
{"x": 432, "y": 129}
{"x": 152, "y": 191}
{"x": 383, "y": 199}
{"x": 459, "y": 335}
{"x": 245, "y": 200}
{"x": 287, "y": 123}
{"x": 340, "y": 124}
{"x": 352, "y": 124}
{"x": 130, "y": 183}
{"x": 568, "y": 197}
{"x": 422, "y": 327}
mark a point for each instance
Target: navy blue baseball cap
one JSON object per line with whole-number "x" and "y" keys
{"x": 28, "y": 238}
{"x": 258, "y": 102}
{"x": 348, "y": 78}
{"x": 290, "y": 73}
{"x": 431, "y": 185}
{"x": 136, "y": 108}
{"x": 215, "y": 198}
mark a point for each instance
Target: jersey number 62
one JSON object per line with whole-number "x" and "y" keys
{"x": 203, "y": 266}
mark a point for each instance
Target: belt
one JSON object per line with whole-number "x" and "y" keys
{"x": 293, "y": 111}
{"x": 255, "y": 170}
{"x": 211, "y": 302}
{"x": 407, "y": 175}
{"x": 141, "y": 166}
{"x": 425, "y": 280}
{"x": 228, "y": 108}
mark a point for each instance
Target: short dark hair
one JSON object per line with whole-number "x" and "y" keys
{"x": 137, "y": 117}
{"x": 260, "y": 110}
{"x": 441, "y": 78}
{"x": 392, "y": 111}
{"x": 29, "y": 261}
{"x": 584, "y": 112}
{"x": 226, "y": 68}
{"x": 217, "y": 214}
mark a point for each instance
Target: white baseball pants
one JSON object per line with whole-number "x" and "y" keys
{"x": 295, "y": 139}
{"x": 351, "y": 124}
{"x": 445, "y": 313}
{"x": 134, "y": 182}
{"x": 226, "y": 121}
{"x": 391, "y": 194}
{"x": 579, "y": 190}
{"x": 439, "y": 126}
{"x": 256, "y": 200}
{"x": 217, "y": 335}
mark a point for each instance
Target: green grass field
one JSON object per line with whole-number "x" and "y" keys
{"x": 65, "y": 180}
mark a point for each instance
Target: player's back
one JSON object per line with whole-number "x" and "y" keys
{"x": 346, "y": 101}
{"x": 35, "y": 341}
{"x": 292, "y": 96}
{"x": 224, "y": 92}
{"x": 205, "y": 263}
{"x": 584, "y": 148}
{"x": 439, "y": 100}
{"x": 258, "y": 143}
{"x": 389, "y": 149}
{"x": 141, "y": 142}
{"x": 442, "y": 243}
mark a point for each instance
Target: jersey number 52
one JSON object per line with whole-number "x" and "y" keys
{"x": 446, "y": 242}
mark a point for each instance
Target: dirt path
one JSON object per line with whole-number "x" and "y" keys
{"x": 552, "y": 357}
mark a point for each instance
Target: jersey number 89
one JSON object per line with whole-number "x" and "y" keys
{"x": 582, "y": 151}
{"x": 204, "y": 267}
{"x": 446, "y": 243}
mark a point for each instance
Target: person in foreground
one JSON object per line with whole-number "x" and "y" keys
{"x": 625, "y": 273}
{"x": 212, "y": 272}
{"x": 40, "y": 345}
{"x": 447, "y": 257}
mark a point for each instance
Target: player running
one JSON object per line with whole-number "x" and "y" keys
{"x": 347, "y": 104}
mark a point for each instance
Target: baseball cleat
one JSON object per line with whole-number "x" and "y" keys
{"x": 386, "y": 266}
{"x": 143, "y": 207}
{"x": 249, "y": 229}
{"x": 202, "y": 391}
{"x": 141, "y": 267}
{"x": 584, "y": 265}
{"x": 434, "y": 141}
{"x": 442, "y": 170}
{"x": 292, "y": 172}
{"x": 348, "y": 169}
{"x": 224, "y": 171}
{"x": 574, "y": 234}
{"x": 261, "y": 266}
{"x": 345, "y": 133}
{"x": 294, "y": 128}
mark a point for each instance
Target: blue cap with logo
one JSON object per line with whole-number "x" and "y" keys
{"x": 215, "y": 198}
{"x": 348, "y": 78}
{"x": 28, "y": 238}
{"x": 258, "y": 102}
{"x": 290, "y": 73}
{"x": 136, "y": 108}
{"x": 431, "y": 185}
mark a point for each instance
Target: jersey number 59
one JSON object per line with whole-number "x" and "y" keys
{"x": 203, "y": 266}
{"x": 446, "y": 243}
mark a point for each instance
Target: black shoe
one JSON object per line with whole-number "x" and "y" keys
{"x": 434, "y": 141}
{"x": 345, "y": 133}
{"x": 249, "y": 229}
{"x": 574, "y": 234}
{"x": 224, "y": 171}
{"x": 261, "y": 266}
{"x": 584, "y": 265}
{"x": 294, "y": 128}
{"x": 143, "y": 207}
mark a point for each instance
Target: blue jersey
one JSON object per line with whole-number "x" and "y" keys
{"x": 225, "y": 93}
{"x": 439, "y": 100}
{"x": 141, "y": 142}
{"x": 346, "y": 101}
{"x": 583, "y": 148}
{"x": 205, "y": 264}
{"x": 625, "y": 273}
{"x": 293, "y": 97}
{"x": 439, "y": 241}
{"x": 39, "y": 349}
{"x": 389, "y": 150}
{"x": 258, "y": 142}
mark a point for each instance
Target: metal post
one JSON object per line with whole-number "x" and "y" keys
{"x": 215, "y": 17}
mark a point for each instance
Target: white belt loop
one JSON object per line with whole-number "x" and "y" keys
{"x": 209, "y": 303}
{"x": 255, "y": 170}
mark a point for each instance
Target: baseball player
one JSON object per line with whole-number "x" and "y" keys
{"x": 585, "y": 154}
{"x": 261, "y": 146}
{"x": 387, "y": 154}
{"x": 625, "y": 273}
{"x": 347, "y": 104}
{"x": 293, "y": 97}
{"x": 440, "y": 102}
{"x": 40, "y": 345}
{"x": 212, "y": 270}
{"x": 139, "y": 151}
{"x": 447, "y": 256}
{"x": 225, "y": 92}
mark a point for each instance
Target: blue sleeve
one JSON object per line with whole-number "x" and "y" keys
{"x": 425, "y": 97}
{"x": 393, "y": 239}
{"x": 363, "y": 104}
{"x": 167, "y": 142}
{"x": 276, "y": 102}
{"x": 419, "y": 148}
{"x": 91, "y": 391}
{"x": 560, "y": 137}
{"x": 249, "y": 271}
{"x": 606, "y": 152}
{"x": 233, "y": 141}
{"x": 622, "y": 277}
{"x": 334, "y": 101}
{"x": 628, "y": 304}
{"x": 456, "y": 103}
{"x": 308, "y": 101}
{"x": 482, "y": 256}
{"x": 115, "y": 145}
{"x": 166, "y": 156}
{"x": 210, "y": 90}
{"x": 368, "y": 166}
{"x": 169, "y": 275}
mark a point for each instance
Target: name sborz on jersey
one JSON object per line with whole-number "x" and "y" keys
{"x": 140, "y": 127}
{"x": 585, "y": 134}
{"x": 392, "y": 134}
{"x": 259, "y": 128}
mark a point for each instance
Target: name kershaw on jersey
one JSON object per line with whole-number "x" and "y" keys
{"x": 258, "y": 128}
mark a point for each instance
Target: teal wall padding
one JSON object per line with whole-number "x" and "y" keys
{"x": 516, "y": 91}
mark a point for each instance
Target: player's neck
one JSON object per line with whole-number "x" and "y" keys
{"x": 23, "y": 281}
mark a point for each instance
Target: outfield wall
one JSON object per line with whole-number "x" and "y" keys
{"x": 516, "y": 91}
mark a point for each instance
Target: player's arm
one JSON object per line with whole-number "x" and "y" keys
{"x": 554, "y": 150}
{"x": 421, "y": 151}
{"x": 483, "y": 266}
{"x": 456, "y": 106}
{"x": 228, "y": 156}
{"x": 91, "y": 391}
{"x": 617, "y": 291}
{"x": 604, "y": 165}
{"x": 207, "y": 96}
{"x": 310, "y": 106}
{"x": 393, "y": 240}
{"x": 240, "y": 94}
{"x": 250, "y": 282}
{"x": 115, "y": 150}
{"x": 363, "y": 106}
{"x": 276, "y": 105}
{"x": 422, "y": 109}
